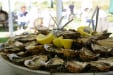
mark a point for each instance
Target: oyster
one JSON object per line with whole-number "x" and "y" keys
{"x": 69, "y": 53}
{"x": 36, "y": 62}
{"x": 12, "y": 56}
{"x": 106, "y": 42}
{"x": 25, "y": 38}
{"x": 12, "y": 49}
{"x": 19, "y": 44}
{"x": 87, "y": 55}
{"x": 70, "y": 34}
{"x": 55, "y": 64}
{"x": 55, "y": 61}
{"x": 100, "y": 49}
{"x": 99, "y": 66}
{"x": 107, "y": 60}
{"x": 82, "y": 42}
{"x": 31, "y": 43}
{"x": 17, "y": 59}
{"x": 44, "y": 31}
{"x": 102, "y": 35}
{"x": 13, "y": 46}
{"x": 35, "y": 49}
{"x": 61, "y": 52}
{"x": 75, "y": 66}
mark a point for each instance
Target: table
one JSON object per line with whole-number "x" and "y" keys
{"x": 5, "y": 70}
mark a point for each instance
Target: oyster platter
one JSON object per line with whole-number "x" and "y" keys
{"x": 64, "y": 51}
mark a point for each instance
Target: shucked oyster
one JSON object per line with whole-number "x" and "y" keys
{"x": 36, "y": 62}
{"x": 26, "y": 38}
{"x": 22, "y": 38}
{"x": 106, "y": 42}
{"x": 35, "y": 49}
{"x": 87, "y": 55}
{"x": 67, "y": 53}
{"x": 100, "y": 49}
{"x": 17, "y": 59}
{"x": 102, "y": 35}
{"x": 62, "y": 52}
{"x": 99, "y": 66}
{"x": 70, "y": 34}
{"x": 13, "y": 47}
{"x": 55, "y": 64}
{"x": 75, "y": 66}
{"x": 107, "y": 60}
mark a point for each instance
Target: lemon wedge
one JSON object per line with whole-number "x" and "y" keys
{"x": 67, "y": 43}
{"x": 45, "y": 39}
{"x": 85, "y": 31}
{"x": 56, "y": 41}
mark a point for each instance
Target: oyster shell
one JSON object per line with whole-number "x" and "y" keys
{"x": 75, "y": 66}
{"x": 17, "y": 59}
{"x": 55, "y": 64}
{"x": 102, "y": 35}
{"x": 69, "y": 53}
{"x": 25, "y": 38}
{"x": 87, "y": 55}
{"x": 107, "y": 60}
{"x": 44, "y": 31}
{"x": 61, "y": 52}
{"x": 70, "y": 34}
{"x": 99, "y": 66}
{"x": 36, "y": 62}
{"x": 19, "y": 44}
{"x": 12, "y": 49}
{"x": 100, "y": 49}
{"x": 106, "y": 42}
{"x": 35, "y": 49}
{"x": 31, "y": 43}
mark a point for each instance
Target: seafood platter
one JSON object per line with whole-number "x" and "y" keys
{"x": 70, "y": 52}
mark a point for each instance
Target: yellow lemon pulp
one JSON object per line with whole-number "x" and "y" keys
{"x": 82, "y": 31}
{"x": 45, "y": 39}
{"x": 67, "y": 43}
{"x": 57, "y": 43}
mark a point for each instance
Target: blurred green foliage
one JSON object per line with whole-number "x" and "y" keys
{"x": 110, "y": 18}
{"x": 4, "y": 39}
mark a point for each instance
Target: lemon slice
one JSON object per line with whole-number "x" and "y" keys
{"x": 45, "y": 39}
{"x": 67, "y": 43}
{"x": 56, "y": 41}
